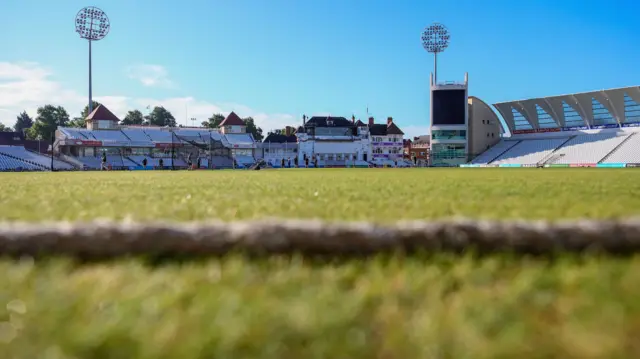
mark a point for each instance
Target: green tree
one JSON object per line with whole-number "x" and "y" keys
{"x": 4, "y": 128}
{"x": 214, "y": 121}
{"x": 23, "y": 121}
{"x": 79, "y": 122}
{"x": 134, "y": 117}
{"x": 48, "y": 120}
{"x": 160, "y": 116}
{"x": 253, "y": 129}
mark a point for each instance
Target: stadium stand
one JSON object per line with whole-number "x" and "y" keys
{"x": 494, "y": 152}
{"x": 94, "y": 163}
{"x": 8, "y": 163}
{"x": 73, "y": 133}
{"x": 530, "y": 152}
{"x": 221, "y": 162}
{"x": 109, "y": 136}
{"x": 136, "y": 135}
{"x": 627, "y": 152}
{"x": 159, "y": 135}
{"x": 35, "y": 161}
{"x": 585, "y": 129}
{"x": 588, "y": 148}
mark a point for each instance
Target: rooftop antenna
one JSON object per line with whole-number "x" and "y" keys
{"x": 92, "y": 24}
{"x": 435, "y": 39}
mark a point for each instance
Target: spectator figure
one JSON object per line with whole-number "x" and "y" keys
{"x": 282, "y": 162}
{"x": 189, "y": 163}
{"x": 104, "y": 161}
{"x": 289, "y": 162}
{"x": 144, "y": 163}
{"x": 161, "y": 163}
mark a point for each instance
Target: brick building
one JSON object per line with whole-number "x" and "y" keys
{"x": 417, "y": 150}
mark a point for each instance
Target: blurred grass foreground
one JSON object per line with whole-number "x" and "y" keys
{"x": 422, "y": 306}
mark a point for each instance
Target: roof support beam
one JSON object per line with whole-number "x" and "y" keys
{"x": 507, "y": 115}
{"x": 549, "y": 109}
{"x": 604, "y": 99}
{"x": 529, "y": 107}
{"x": 634, "y": 93}
{"x": 581, "y": 103}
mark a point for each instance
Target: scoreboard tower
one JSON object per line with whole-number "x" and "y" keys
{"x": 449, "y": 123}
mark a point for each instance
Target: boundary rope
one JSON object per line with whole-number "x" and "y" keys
{"x": 111, "y": 239}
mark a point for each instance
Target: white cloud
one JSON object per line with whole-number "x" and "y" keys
{"x": 150, "y": 75}
{"x": 26, "y": 86}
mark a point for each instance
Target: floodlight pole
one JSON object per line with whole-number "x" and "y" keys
{"x": 90, "y": 93}
{"x": 435, "y": 68}
{"x": 92, "y": 24}
{"x": 435, "y": 39}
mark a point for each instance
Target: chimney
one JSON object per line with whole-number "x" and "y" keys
{"x": 304, "y": 120}
{"x": 370, "y": 121}
{"x": 287, "y": 131}
{"x": 389, "y": 120}
{"x": 353, "y": 119}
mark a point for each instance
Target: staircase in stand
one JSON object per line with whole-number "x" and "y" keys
{"x": 553, "y": 155}
{"x": 260, "y": 162}
{"x": 131, "y": 159}
{"x": 617, "y": 147}
{"x": 505, "y": 151}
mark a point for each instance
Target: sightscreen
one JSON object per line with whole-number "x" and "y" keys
{"x": 449, "y": 107}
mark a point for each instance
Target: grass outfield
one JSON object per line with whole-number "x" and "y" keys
{"x": 331, "y": 194}
{"x": 437, "y": 306}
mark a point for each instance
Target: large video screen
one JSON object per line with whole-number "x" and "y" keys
{"x": 449, "y": 107}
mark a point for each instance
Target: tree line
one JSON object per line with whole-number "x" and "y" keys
{"x": 50, "y": 117}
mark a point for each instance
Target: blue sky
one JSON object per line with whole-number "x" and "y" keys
{"x": 278, "y": 59}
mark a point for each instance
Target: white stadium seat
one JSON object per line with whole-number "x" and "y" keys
{"x": 588, "y": 148}
{"x": 529, "y": 152}
{"x": 628, "y": 152}
{"x": 493, "y": 152}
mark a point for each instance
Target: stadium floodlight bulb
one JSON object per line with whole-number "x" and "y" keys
{"x": 435, "y": 39}
{"x": 92, "y": 24}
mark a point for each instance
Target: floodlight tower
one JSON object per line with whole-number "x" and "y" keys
{"x": 435, "y": 39}
{"x": 92, "y": 24}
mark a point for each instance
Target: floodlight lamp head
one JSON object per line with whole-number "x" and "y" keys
{"x": 435, "y": 38}
{"x": 92, "y": 23}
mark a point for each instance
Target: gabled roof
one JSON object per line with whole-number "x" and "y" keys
{"x": 328, "y": 121}
{"x": 102, "y": 113}
{"x": 232, "y": 120}
{"x": 361, "y": 124}
{"x": 392, "y": 129}
{"x": 278, "y": 138}
{"x": 378, "y": 129}
{"x": 384, "y": 129}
